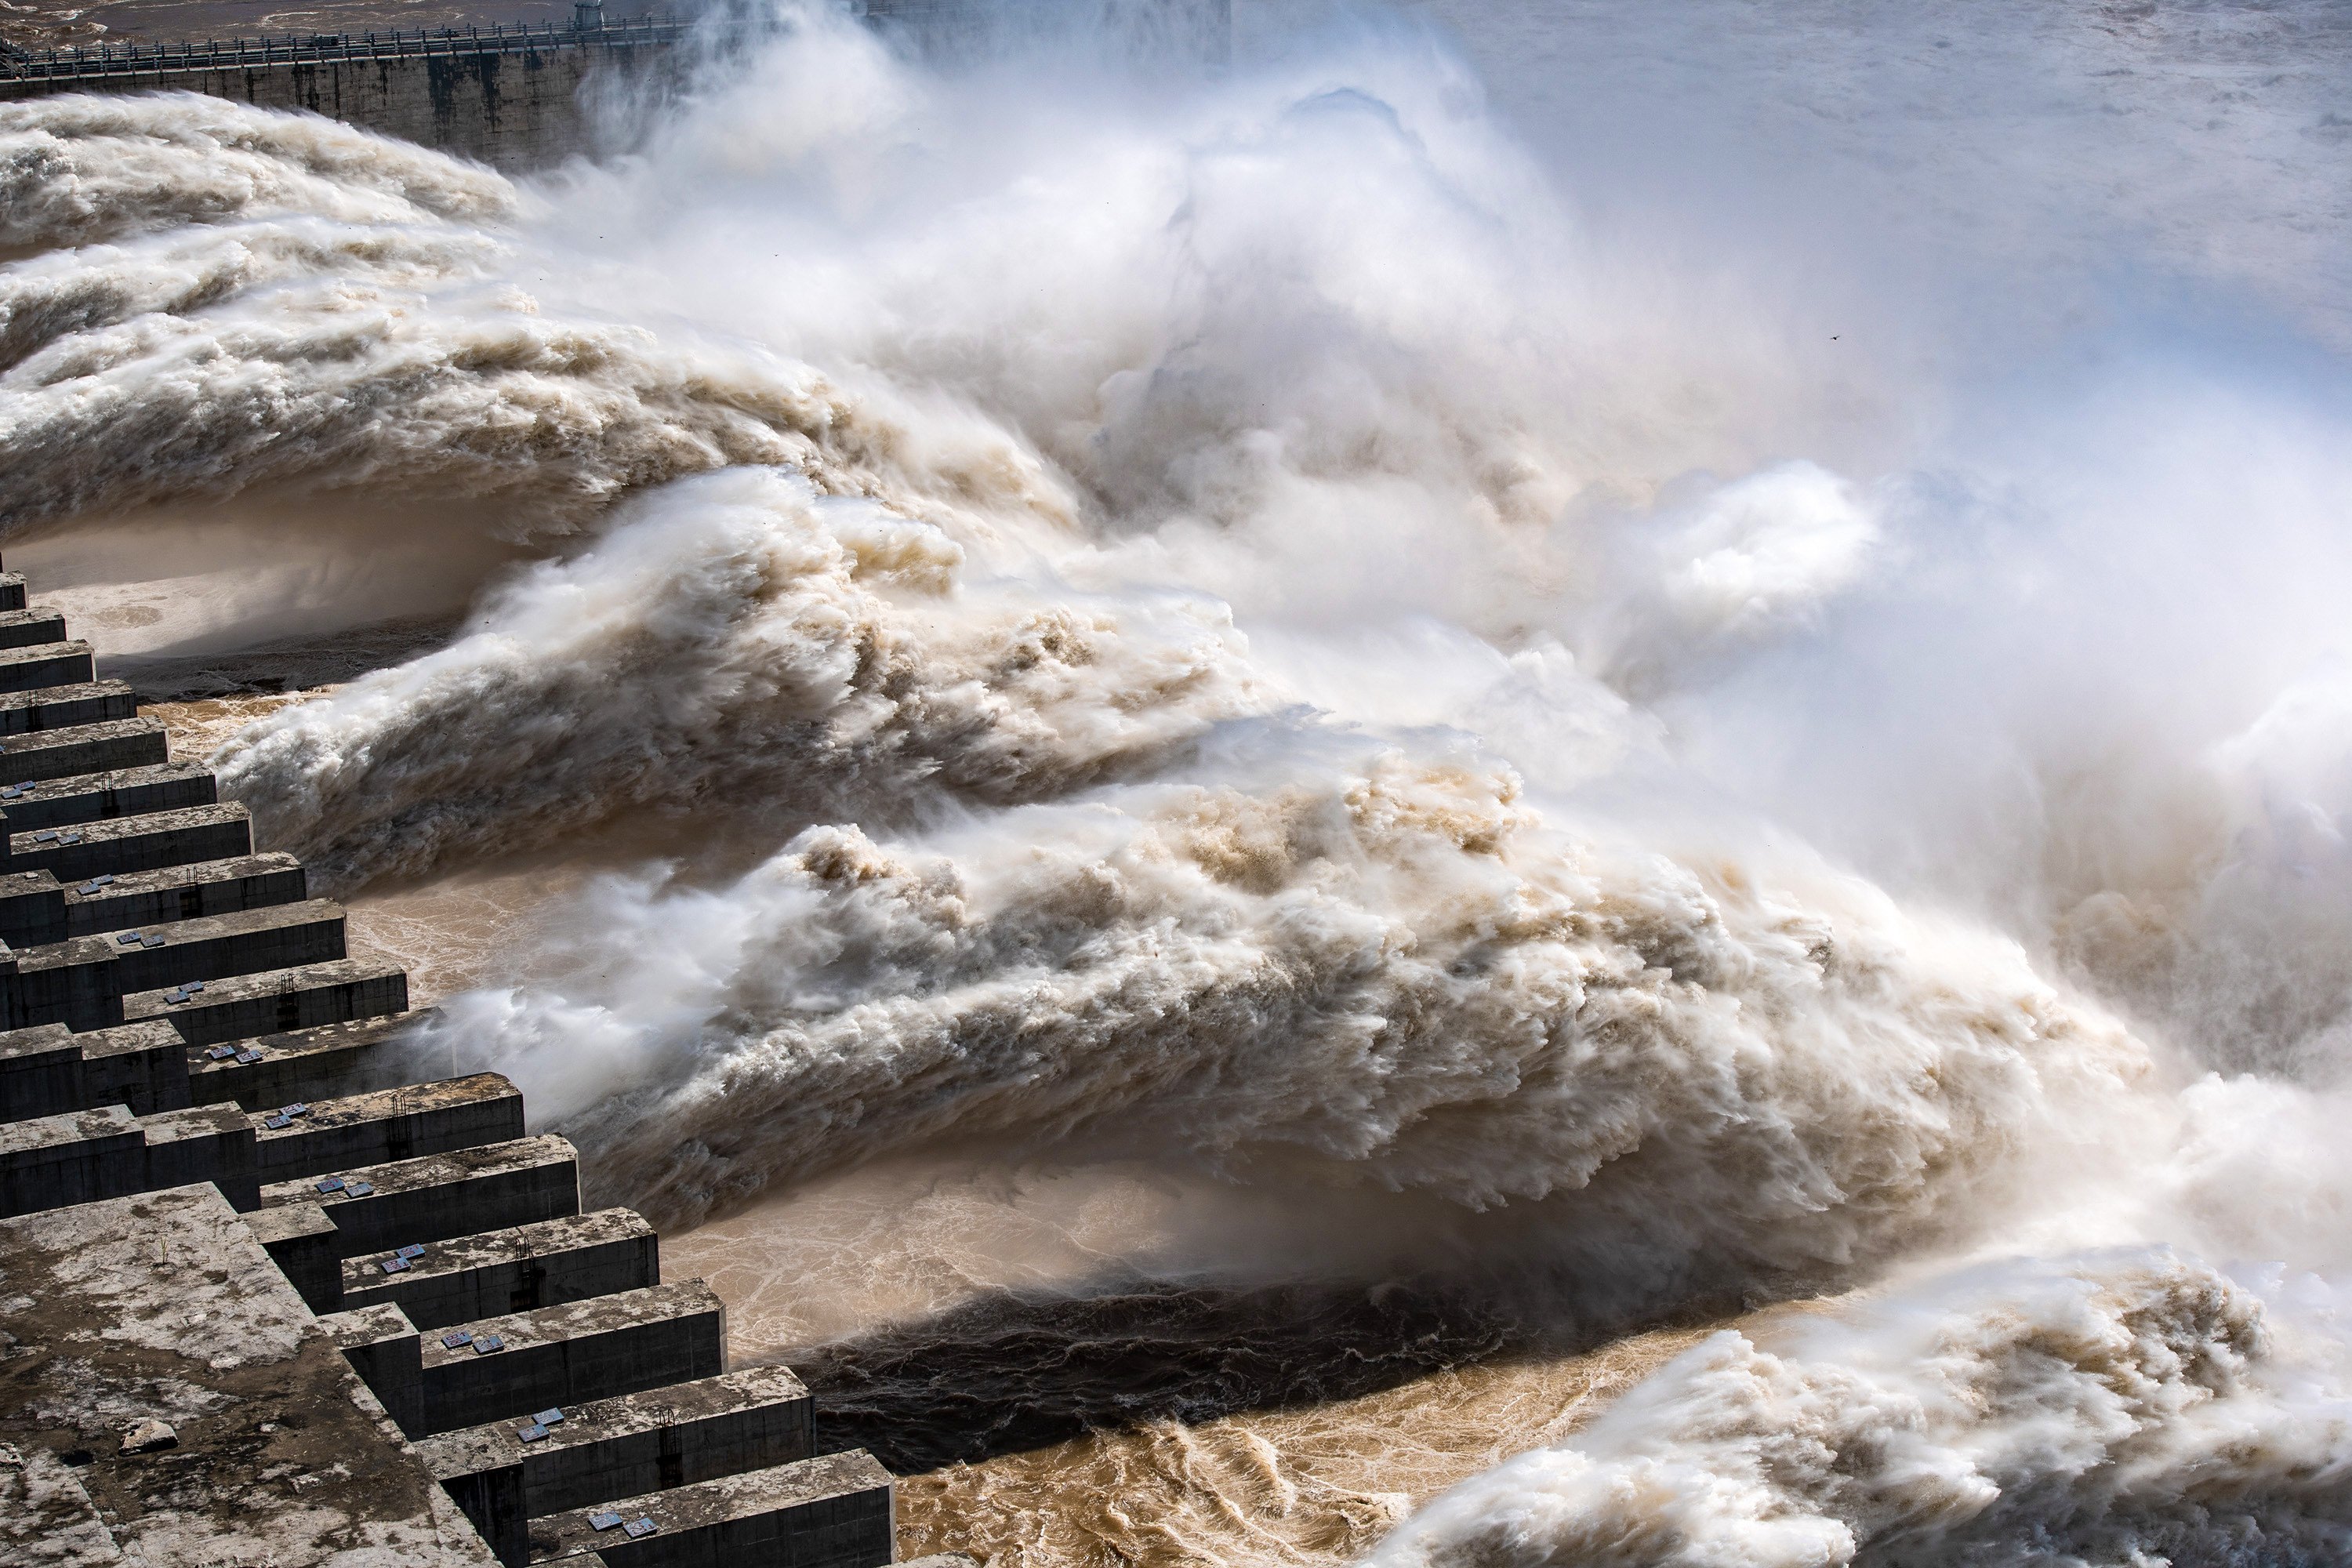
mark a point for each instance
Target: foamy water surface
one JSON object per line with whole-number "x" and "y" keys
{"x": 1553, "y": 787}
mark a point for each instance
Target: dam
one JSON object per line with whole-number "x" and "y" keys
{"x": 511, "y": 96}
{"x": 282, "y": 1288}
{"x": 515, "y": 96}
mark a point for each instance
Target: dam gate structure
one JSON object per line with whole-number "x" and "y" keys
{"x": 277, "y": 1287}
{"x": 514, "y": 96}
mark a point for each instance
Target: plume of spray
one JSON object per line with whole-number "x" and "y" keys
{"x": 1174, "y": 577}
{"x": 2122, "y": 1409}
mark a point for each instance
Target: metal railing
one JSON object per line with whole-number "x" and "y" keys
{"x": 233, "y": 54}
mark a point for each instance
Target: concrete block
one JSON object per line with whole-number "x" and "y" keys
{"x": 212, "y": 1143}
{"x": 569, "y": 1354}
{"x": 385, "y": 1125}
{"x": 63, "y": 752}
{"x": 66, "y": 707}
{"x": 514, "y": 1269}
{"x": 40, "y": 1073}
{"x": 384, "y": 1349}
{"x": 81, "y": 982}
{"x": 835, "y": 1511}
{"x": 83, "y": 1156}
{"x": 142, "y": 1066}
{"x": 94, "y": 797}
{"x": 24, "y": 628}
{"x": 511, "y": 1471}
{"x": 519, "y": 1182}
{"x": 165, "y": 1305}
{"x": 78, "y": 1157}
{"x": 12, "y": 589}
{"x": 32, "y": 909}
{"x": 130, "y": 844}
{"x": 183, "y": 893}
{"x": 47, "y": 1071}
{"x": 42, "y": 665}
{"x": 325, "y": 1063}
{"x": 301, "y": 1239}
{"x": 276, "y": 1001}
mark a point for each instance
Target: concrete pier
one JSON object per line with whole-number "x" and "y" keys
{"x": 622, "y": 1343}
{"x": 81, "y": 982}
{"x": 385, "y": 1125}
{"x": 828, "y": 1513}
{"x": 22, "y": 628}
{"x": 30, "y": 667}
{"x": 505, "y": 1474}
{"x": 91, "y": 797}
{"x": 500, "y": 1185}
{"x": 128, "y": 844}
{"x": 348, "y": 1372}
{"x": 66, "y": 751}
{"x": 67, "y": 706}
{"x": 332, "y": 1061}
{"x": 516, "y": 1269}
{"x": 202, "y": 888}
{"x": 276, "y": 1002}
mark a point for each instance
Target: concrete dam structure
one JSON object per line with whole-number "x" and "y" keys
{"x": 279, "y": 1289}
{"x": 512, "y": 95}
{"x": 519, "y": 96}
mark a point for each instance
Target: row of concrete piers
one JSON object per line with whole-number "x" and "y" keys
{"x": 279, "y": 1288}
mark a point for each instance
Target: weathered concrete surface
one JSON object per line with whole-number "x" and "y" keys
{"x": 62, "y": 750}
{"x": 40, "y": 1073}
{"x": 331, "y": 1062}
{"x": 49, "y": 1070}
{"x": 386, "y": 1124}
{"x": 81, "y": 982}
{"x": 276, "y": 1001}
{"x": 24, "y": 628}
{"x": 46, "y": 1517}
{"x": 185, "y": 894}
{"x": 130, "y": 844}
{"x": 301, "y": 1239}
{"x": 519, "y": 1182}
{"x": 28, "y": 667}
{"x": 142, "y": 1066}
{"x": 621, "y": 1343}
{"x": 66, "y": 707}
{"x": 516, "y": 1269}
{"x": 91, "y": 797}
{"x": 52, "y": 1162}
{"x": 505, "y": 1473}
{"x": 383, "y": 1347}
{"x": 829, "y": 1512}
{"x": 32, "y": 909}
{"x": 164, "y": 1306}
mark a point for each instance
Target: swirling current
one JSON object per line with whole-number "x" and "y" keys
{"x": 1556, "y": 785}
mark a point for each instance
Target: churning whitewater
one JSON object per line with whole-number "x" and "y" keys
{"x": 1242, "y": 647}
